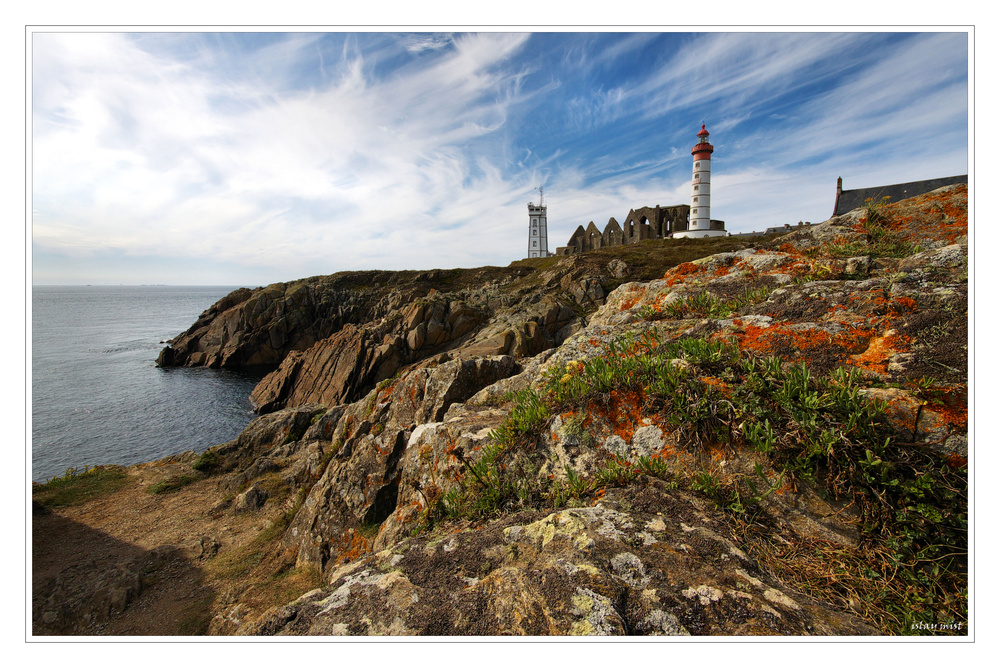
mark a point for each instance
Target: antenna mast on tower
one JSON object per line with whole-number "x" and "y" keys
{"x": 541, "y": 195}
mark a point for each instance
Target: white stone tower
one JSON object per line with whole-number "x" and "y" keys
{"x": 700, "y": 223}
{"x": 538, "y": 230}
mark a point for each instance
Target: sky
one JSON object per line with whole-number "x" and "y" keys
{"x": 228, "y": 158}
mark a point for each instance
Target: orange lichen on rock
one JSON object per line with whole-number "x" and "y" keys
{"x": 880, "y": 349}
{"x": 952, "y": 210}
{"x": 901, "y": 408}
{"x": 953, "y": 408}
{"x": 678, "y": 273}
{"x": 631, "y": 300}
{"x": 352, "y": 546}
{"x": 798, "y": 268}
{"x": 621, "y": 412}
{"x": 919, "y": 419}
{"x": 790, "y": 341}
{"x": 937, "y": 216}
{"x": 768, "y": 340}
{"x": 901, "y": 305}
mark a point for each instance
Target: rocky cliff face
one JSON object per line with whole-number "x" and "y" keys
{"x": 673, "y": 438}
{"x": 332, "y": 338}
{"x": 671, "y": 464}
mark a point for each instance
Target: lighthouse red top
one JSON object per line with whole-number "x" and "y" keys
{"x": 702, "y": 150}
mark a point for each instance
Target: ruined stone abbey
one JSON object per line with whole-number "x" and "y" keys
{"x": 648, "y": 222}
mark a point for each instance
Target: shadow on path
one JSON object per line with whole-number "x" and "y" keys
{"x": 85, "y": 582}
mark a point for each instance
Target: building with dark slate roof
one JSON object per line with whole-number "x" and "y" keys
{"x": 848, "y": 200}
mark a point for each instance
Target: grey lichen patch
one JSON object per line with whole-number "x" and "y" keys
{"x": 628, "y": 567}
{"x": 656, "y": 524}
{"x": 775, "y": 596}
{"x": 609, "y": 523}
{"x": 617, "y": 446}
{"x": 705, "y": 594}
{"x": 662, "y": 623}
{"x": 566, "y": 452}
{"x": 599, "y": 615}
{"x": 401, "y": 592}
{"x": 749, "y": 578}
{"x": 387, "y": 559}
{"x": 646, "y": 442}
{"x": 342, "y": 594}
{"x": 513, "y": 534}
{"x": 571, "y": 569}
{"x": 565, "y": 524}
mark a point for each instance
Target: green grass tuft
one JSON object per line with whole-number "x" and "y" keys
{"x": 172, "y": 484}
{"x": 75, "y": 487}
{"x": 207, "y": 462}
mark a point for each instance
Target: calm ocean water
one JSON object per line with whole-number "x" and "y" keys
{"x": 97, "y": 396}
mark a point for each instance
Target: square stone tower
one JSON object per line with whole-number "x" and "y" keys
{"x": 538, "y": 230}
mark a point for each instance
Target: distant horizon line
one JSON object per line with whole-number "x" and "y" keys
{"x": 136, "y": 285}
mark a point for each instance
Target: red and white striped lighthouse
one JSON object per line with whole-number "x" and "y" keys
{"x": 700, "y": 221}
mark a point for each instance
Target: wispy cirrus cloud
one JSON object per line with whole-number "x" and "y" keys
{"x": 155, "y": 159}
{"x": 274, "y": 156}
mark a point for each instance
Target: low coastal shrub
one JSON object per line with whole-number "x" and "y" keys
{"x": 880, "y": 239}
{"x": 705, "y": 305}
{"x": 207, "y": 462}
{"x": 820, "y": 431}
{"x": 700, "y": 305}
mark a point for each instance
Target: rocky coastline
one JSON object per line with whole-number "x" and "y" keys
{"x": 678, "y": 437}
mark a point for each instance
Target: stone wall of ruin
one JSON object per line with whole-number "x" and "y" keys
{"x": 648, "y": 222}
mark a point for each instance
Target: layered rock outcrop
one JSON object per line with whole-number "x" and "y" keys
{"x": 440, "y": 481}
{"x": 650, "y": 563}
{"x": 333, "y": 338}
{"x": 330, "y": 339}
{"x": 641, "y": 556}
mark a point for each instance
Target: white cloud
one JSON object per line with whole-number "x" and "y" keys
{"x": 161, "y": 171}
{"x": 303, "y": 154}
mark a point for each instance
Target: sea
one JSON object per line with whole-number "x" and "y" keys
{"x": 97, "y": 396}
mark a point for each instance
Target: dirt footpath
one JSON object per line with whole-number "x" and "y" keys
{"x": 132, "y": 562}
